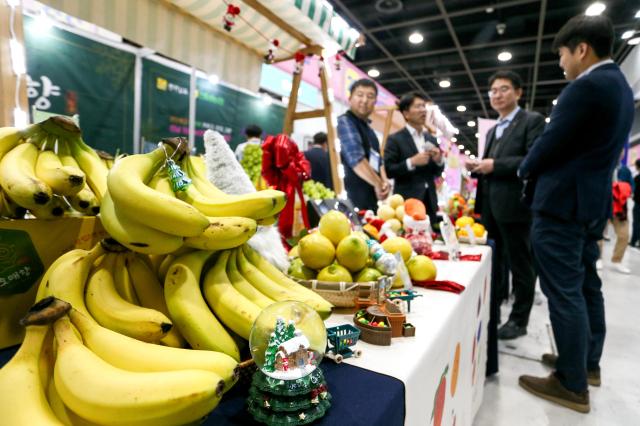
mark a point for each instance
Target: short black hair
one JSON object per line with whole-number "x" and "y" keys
{"x": 407, "y": 100}
{"x": 638, "y": 164}
{"x": 363, "y": 82}
{"x": 320, "y": 138}
{"x": 512, "y": 76}
{"x": 596, "y": 31}
{"x": 253, "y": 131}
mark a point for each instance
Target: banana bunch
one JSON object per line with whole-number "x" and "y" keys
{"x": 49, "y": 170}
{"x": 160, "y": 201}
{"x": 72, "y": 371}
{"x": 231, "y": 294}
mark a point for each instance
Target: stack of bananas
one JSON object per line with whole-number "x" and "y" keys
{"x": 158, "y": 202}
{"x": 103, "y": 367}
{"x": 48, "y": 170}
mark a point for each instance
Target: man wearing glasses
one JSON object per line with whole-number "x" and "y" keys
{"x": 499, "y": 193}
{"x": 364, "y": 177}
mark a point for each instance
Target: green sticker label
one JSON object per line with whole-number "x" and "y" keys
{"x": 20, "y": 265}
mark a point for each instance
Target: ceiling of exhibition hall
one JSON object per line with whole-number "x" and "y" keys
{"x": 419, "y": 45}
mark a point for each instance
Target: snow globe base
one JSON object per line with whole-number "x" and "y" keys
{"x": 288, "y": 402}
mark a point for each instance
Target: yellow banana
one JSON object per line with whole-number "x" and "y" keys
{"x": 164, "y": 266}
{"x": 22, "y": 394}
{"x": 63, "y": 180}
{"x": 188, "y": 309}
{"x": 267, "y": 221}
{"x": 160, "y": 182}
{"x": 129, "y": 192}
{"x": 66, "y": 279}
{"x": 151, "y": 295}
{"x": 112, "y": 311}
{"x": 122, "y": 279}
{"x": 10, "y": 208}
{"x": 9, "y": 138}
{"x": 262, "y": 283}
{"x": 105, "y": 394}
{"x": 91, "y": 164}
{"x": 307, "y": 296}
{"x": 135, "y": 235}
{"x": 62, "y": 412}
{"x": 155, "y": 260}
{"x": 223, "y": 233}
{"x": 18, "y": 178}
{"x": 239, "y": 283}
{"x": 84, "y": 201}
{"x": 52, "y": 210}
{"x": 234, "y": 310}
{"x": 213, "y": 202}
{"x": 133, "y": 355}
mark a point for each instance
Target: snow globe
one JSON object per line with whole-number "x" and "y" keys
{"x": 287, "y": 343}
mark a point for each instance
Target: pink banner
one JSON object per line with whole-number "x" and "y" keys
{"x": 484, "y": 125}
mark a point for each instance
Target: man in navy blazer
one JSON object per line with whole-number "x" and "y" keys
{"x": 572, "y": 165}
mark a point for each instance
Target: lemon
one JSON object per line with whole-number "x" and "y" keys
{"x": 463, "y": 221}
{"x": 478, "y": 229}
{"x": 297, "y": 269}
{"x": 400, "y": 213}
{"x": 335, "y": 273}
{"x": 386, "y": 212}
{"x": 335, "y": 226}
{"x": 396, "y": 200}
{"x": 421, "y": 268}
{"x": 316, "y": 250}
{"x": 394, "y": 224}
{"x": 398, "y": 245}
{"x": 367, "y": 274}
{"x": 352, "y": 253}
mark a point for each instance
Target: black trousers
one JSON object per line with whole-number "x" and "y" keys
{"x": 566, "y": 254}
{"x": 635, "y": 236}
{"x": 513, "y": 251}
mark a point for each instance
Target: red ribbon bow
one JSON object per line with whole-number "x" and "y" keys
{"x": 449, "y": 286}
{"x": 285, "y": 168}
{"x": 443, "y": 255}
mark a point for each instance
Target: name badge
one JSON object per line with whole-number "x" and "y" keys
{"x": 374, "y": 160}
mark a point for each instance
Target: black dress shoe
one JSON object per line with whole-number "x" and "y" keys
{"x": 511, "y": 330}
{"x": 593, "y": 376}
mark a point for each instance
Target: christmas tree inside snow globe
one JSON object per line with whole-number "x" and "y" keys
{"x": 287, "y": 342}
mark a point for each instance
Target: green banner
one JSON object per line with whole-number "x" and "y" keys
{"x": 69, "y": 74}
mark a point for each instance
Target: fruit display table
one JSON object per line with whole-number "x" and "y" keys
{"x": 443, "y": 366}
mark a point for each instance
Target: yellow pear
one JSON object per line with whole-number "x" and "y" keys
{"x": 335, "y": 226}
{"x": 316, "y": 250}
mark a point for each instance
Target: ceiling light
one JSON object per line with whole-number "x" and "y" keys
{"x": 554, "y": 102}
{"x": 266, "y": 99}
{"x": 214, "y": 79}
{"x": 595, "y": 9}
{"x": 373, "y": 73}
{"x": 471, "y": 123}
{"x": 634, "y": 41}
{"x": 477, "y": 135}
{"x": 445, "y": 83}
{"x": 416, "y": 38}
{"x": 460, "y": 147}
{"x": 489, "y": 10}
{"x": 461, "y": 108}
{"x": 467, "y": 152}
{"x": 627, "y": 34}
{"x": 638, "y": 14}
{"x": 454, "y": 139}
{"x": 504, "y": 56}
{"x": 473, "y": 157}
{"x": 547, "y": 120}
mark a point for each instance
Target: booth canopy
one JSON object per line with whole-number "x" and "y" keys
{"x": 313, "y": 18}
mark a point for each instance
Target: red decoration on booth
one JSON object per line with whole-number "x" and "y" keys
{"x": 273, "y": 46}
{"x": 338, "y": 61}
{"x": 299, "y": 58}
{"x": 284, "y": 167}
{"x": 229, "y": 18}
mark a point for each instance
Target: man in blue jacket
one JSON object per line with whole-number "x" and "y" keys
{"x": 571, "y": 165}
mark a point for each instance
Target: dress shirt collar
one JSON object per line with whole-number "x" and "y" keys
{"x": 509, "y": 117}
{"x": 414, "y": 133}
{"x": 594, "y": 66}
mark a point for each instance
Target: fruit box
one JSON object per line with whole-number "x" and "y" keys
{"x": 344, "y": 294}
{"x": 27, "y": 248}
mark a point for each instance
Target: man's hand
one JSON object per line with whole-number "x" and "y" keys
{"x": 382, "y": 191}
{"x": 436, "y": 155}
{"x": 421, "y": 159}
{"x": 470, "y": 164}
{"x": 484, "y": 167}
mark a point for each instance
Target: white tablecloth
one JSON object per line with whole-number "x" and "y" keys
{"x": 444, "y": 321}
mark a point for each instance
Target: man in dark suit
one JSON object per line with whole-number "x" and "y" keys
{"x": 507, "y": 219}
{"x": 319, "y": 159}
{"x": 412, "y": 156}
{"x": 572, "y": 164}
